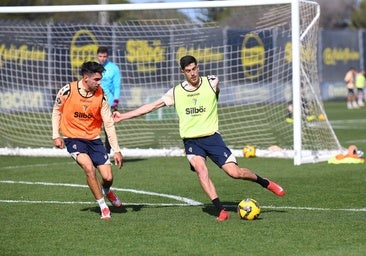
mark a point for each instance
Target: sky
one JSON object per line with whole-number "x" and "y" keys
{"x": 157, "y": 1}
{"x": 189, "y": 12}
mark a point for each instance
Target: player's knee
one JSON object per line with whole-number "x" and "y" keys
{"x": 89, "y": 172}
{"x": 232, "y": 170}
{"x": 201, "y": 172}
{"x": 108, "y": 178}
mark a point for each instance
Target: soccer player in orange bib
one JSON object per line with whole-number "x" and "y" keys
{"x": 79, "y": 112}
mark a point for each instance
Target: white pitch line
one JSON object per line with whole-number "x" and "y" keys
{"x": 80, "y": 202}
{"x": 188, "y": 201}
{"x": 305, "y": 208}
{"x": 172, "y": 204}
{"x": 315, "y": 209}
{"x": 43, "y": 202}
{"x": 348, "y": 121}
{"x": 33, "y": 165}
{"x": 347, "y": 124}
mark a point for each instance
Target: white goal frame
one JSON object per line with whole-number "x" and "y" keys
{"x": 295, "y": 23}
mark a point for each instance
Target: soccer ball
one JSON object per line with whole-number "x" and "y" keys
{"x": 249, "y": 151}
{"x": 321, "y": 117}
{"x": 248, "y": 209}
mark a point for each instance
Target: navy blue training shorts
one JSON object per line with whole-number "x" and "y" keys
{"x": 94, "y": 148}
{"x": 211, "y": 146}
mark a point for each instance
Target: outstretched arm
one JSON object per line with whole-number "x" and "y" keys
{"x": 144, "y": 109}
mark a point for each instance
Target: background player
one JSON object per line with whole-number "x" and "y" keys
{"x": 111, "y": 83}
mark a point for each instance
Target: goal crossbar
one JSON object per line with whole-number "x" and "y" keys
{"x": 136, "y": 7}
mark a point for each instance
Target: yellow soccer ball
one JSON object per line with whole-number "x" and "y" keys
{"x": 321, "y": 117}
{"x": 249, "y": 151}
{"x": 248, "y": 209}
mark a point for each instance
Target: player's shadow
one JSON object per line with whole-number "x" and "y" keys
{"x": 211, "y": 210}
{"x": 96, "y": 209}
{"x": 231, "y": 207}
{"x": 123, "y": 209}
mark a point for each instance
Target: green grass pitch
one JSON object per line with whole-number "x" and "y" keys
{"x": 46, "y": 208}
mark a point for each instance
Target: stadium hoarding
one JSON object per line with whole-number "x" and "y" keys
{"x": 24, "y": 100}
{"x": 148, "y": 59}
{"x": 338, "y": 51}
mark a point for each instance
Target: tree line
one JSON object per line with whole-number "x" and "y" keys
{"x": 335, "y": 14}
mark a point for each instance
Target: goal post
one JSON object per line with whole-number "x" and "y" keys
{"x": 296, "y": 98}
{"x": 267, "y": 66}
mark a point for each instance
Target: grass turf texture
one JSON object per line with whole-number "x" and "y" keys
{"x": 312, "y": 219}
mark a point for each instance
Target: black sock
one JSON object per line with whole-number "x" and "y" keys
{"x": 217, "y": 204}
{"x": 263, "y": 182}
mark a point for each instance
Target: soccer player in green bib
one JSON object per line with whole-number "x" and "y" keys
{"x": 195, "y": 101}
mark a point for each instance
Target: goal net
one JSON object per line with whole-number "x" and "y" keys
{"x": 265, "y": 58}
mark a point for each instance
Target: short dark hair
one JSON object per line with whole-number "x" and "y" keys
{"x": 186, "y": 60}
{"x": 102, "y": 49}
{"x": 91, "y": 67}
